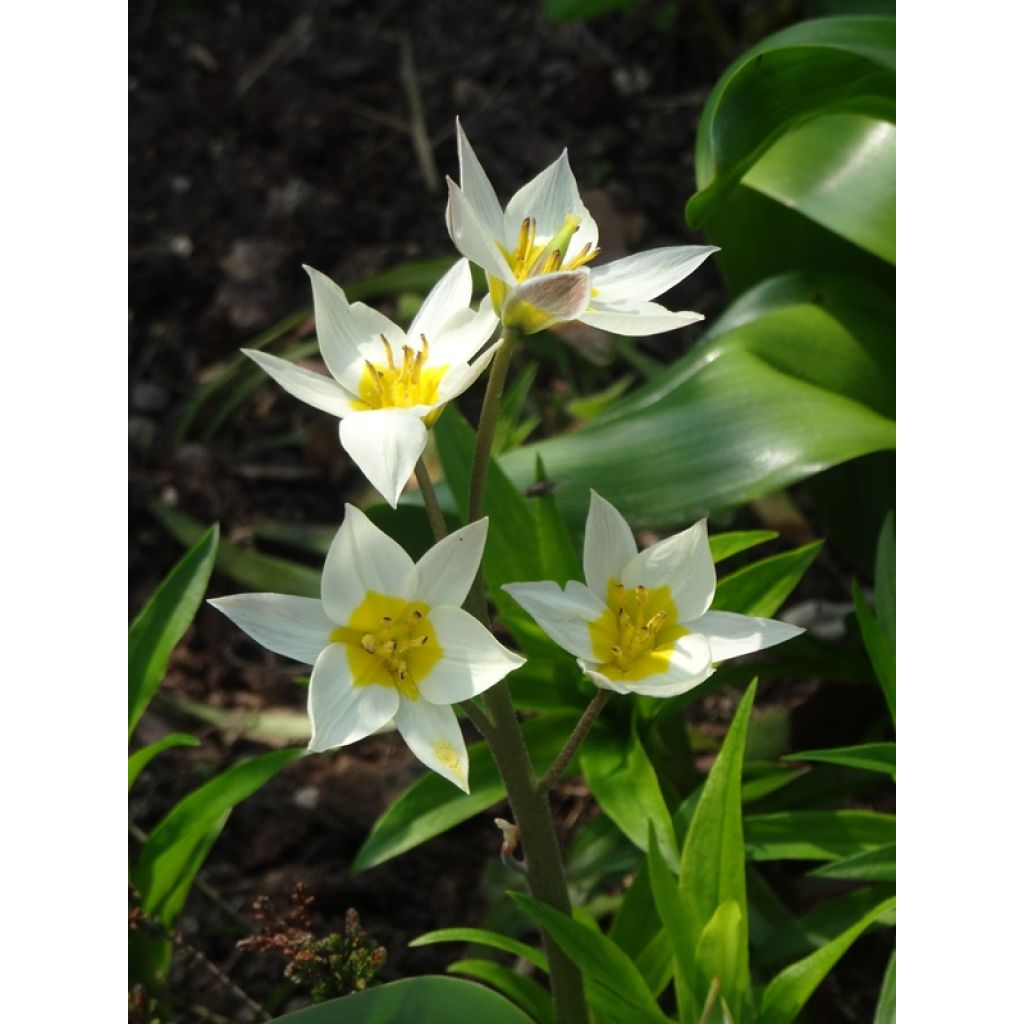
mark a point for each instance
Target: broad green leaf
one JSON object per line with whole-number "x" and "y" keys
{"x": 870, "y": 866}
{"x": 614, "y": 986}
{"x": 816, "y": 835}
{"x": 802, "y": 380}
{"x": 523, "y": 991}
{"x": 163, "y": 621}
{"x": 885, "y": 1012}
{"x": 824, "y": 66}
{"x": 250, "y": 568}
{"x": 721, "y": 957}
{"x": 425, "y": 1000}
{"x": 625, "y": 785}
{"x": 483, "y": 937}
{"x": 761, "y": 588}
{"x": 636, "y": 921}
{"x": 839, "y": 171}
{"x": 138, "y": 760}
{"x": 725, "y": 545}
{"x": 873, "y": 757}
{"x": 788, "y": 991}
{"x": 432, "y": 805}
{"x": 881, "y": 650}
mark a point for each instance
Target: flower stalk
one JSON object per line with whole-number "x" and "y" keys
{"x": 579, "y": 734}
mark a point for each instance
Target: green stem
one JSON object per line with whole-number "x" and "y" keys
{"x": 554, "y": 773}
{"x": 434, "y": 513}
{"x": 545, "y": 872}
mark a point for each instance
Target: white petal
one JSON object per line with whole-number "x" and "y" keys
{"x": 447, "y": 570}
{"x": 451, "y": 295}
{"x": 636, "y": 319}
{"x": 688, "y": 666}
{"x": 564, "y": 615}
{"x": 385, "y": 444}
{"x": 476, "y": 186}
{"x": 462, "y": 336}
{"x": 433, "y": 734}
{"x": 682, "y": 563}
{"x": 348, "y": 334}
{"x": 548, "y": 299}
{"x": 339, "y": 711}
{"x": 461, "y": 377}
{"x": 363, "y": 558}
{"x": 549, "y": 198}
{"x": 314, "y": 389}
{"x": 608, "y": 545}
{"x": 293, "y": 626}
{"x": 471, "y": 238}
{"x": 731, "y": 635}
{"x": 645, "y": 275}
{"x": 473, "y": 661}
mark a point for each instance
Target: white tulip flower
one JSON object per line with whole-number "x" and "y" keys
{"x": 537, "y": 253}
{"x": 386, "y": 386}
{"x": 641, "y": 624}
{"x": 387, "y": 640}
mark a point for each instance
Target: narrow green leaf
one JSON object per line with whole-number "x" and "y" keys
{"x": 163, "y": 621}
{"x": 138, "y": 760}
{"x": 870, "y": 866}
{"x": 613, "y": 984}
{"x": 725, "y": 545}
{"x": 881, "y": 650}
{"x": 425, "y": 1000}
{"x": 669, "y": 906}
{"x": 523, "y": 991}
{"x": 557, "y": 551}
{"x": 721, "y": 957}
{"x": 873, "y": 757}
{"x": 885, "y": 579}
{"x": 885, "y": 1012}
{"x": 762, "y": 588}
{"x": 788, "y": 991}
{"x": 483, "y": 937}
{"x": 816, "y": 835}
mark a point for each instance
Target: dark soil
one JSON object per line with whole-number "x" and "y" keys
{"x": 267, "y": 135}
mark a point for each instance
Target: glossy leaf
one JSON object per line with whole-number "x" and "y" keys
{"x": 521, "y": 990}
{"x": 163, "y": 621}
{"x": 483, "y": 937}
{"x": 873, "y": 757}
{"x": 762, "y": 588}
{"x": 816, "y": 835}
{"x": 881, "y": 650}
{"x": 426, "y": 1000}
{"x": 877, "y": 865}
{"x": 725, "y": 545}
{"x": 140, "y": 758}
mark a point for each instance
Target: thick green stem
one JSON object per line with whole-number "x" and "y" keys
{"x": 434, "y": 513}
{"x": 545, "y": 872}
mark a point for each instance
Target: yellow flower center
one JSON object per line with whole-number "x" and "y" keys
{"x": 633, "y": 638}
{"x": 389, "y": 642}
{"x": 399, "y": 385}
{"x": 532, "y": 258}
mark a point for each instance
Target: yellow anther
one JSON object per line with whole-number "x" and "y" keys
{"x": 387, "y": 350}
{"x": 368, "y": 643}
{"x": 584, "y": 256}
{"x": 554, "y": 262}
{"x": 388, "y": 647}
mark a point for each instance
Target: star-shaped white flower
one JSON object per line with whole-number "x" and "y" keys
{"x": 641, "y": 624}
{"x": 387, "y": 640}
{"x": 388, "y": 387}
{"x": 537, "y": 253}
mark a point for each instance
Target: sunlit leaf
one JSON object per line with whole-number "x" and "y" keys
{"x": 483, "y": 937}
{"x": 140, "y": 758}
{"x": 816, "y": 835}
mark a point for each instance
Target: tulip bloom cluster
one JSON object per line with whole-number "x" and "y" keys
{"x": 388, "y": 639}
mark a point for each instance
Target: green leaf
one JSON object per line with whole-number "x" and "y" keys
{"x": 816, "y": 835}
{"x": 873, "y": 757}
{"x": 425, "y": 1000}
{"x": 885, "y": 579}
{"x": 721, "y": 957}
{"x": 825, "y": 66}
{"x": 432, "y": 805}
{"x": 839, "y": 171}
{"x": 613, "y": 984}
{"x": 162, "y": 623}
{"x": 557, "y": 551}
{"x": 881, "y": 650}
{"x": 142, "y": 757}
{"x": 802, "y": 379}
{"x": 761, "y": 588}
{"x": 885, "y": 1012}
{"x": 523, "y": 991}
{"x": 669, "y": 906}
{"x": 788, "y": 991}
{"x": 572, "y": 10}
{"x": 870, "y": 866}
{"x": 725, "y": 545}
{"x": 243, "y": 565}
{"x": 483, "y": 937}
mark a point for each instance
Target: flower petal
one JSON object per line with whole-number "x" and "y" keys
{"x": 362, "y": 558}
{"x": 548, "y": 299}
{"x": 645, "y": 275}
{"x": 348, "y": 334}
{"x": 385, "y": 444}
{"x": 477, "y": 187}
{"x": 471, "y": 238}
{"x": 636, "y": 319}
{"x": 462, "y": 376}
{"x": 608, "y": 545}
{"x": 341, "y": 712}
{"x": 462, "y": 336}
{"x": 682, "y": 563}
{"x": 731, "y": 635}
{"x": 687, "y": 666}
{"x": 433, "y": 734}
{"x": 449, "y": 296}
{"x": 314, "y": 389}
{"x": 447, "y": 570}
{"x": 293, "y": 626}
{"x": 548, "y": 198}
{"x": 564, "y": 615}
{"x": 473, "y": 660}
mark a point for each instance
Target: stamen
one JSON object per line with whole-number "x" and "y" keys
{"x": 368, "y": 643}
{"x": 426, "y": 347}
{"x": 389, "y": 353}
{"x": 524, "y": 240}
{"x": 553, "y": 263}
